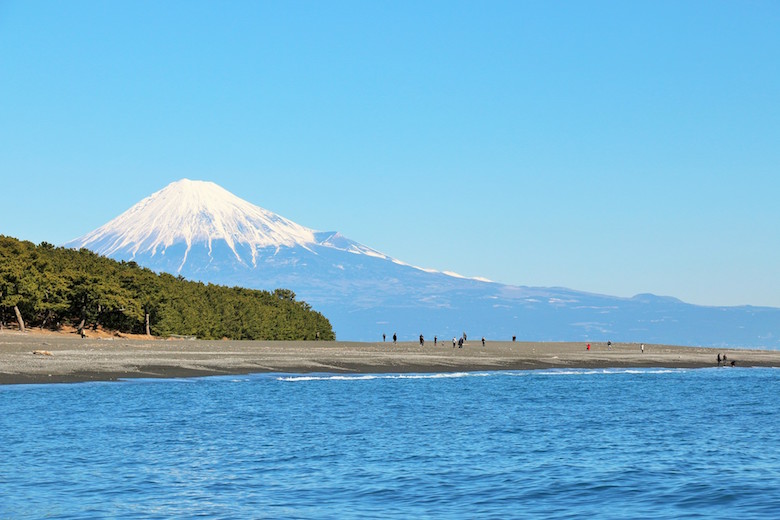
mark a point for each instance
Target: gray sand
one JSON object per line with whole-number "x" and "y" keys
{"x": 69, "y": 358}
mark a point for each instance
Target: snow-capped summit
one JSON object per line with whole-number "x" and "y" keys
{"x": 192, "y": 212}
{"x": 200, "y": 218}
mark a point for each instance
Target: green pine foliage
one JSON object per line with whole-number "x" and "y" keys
{"x": 51, "y": 286}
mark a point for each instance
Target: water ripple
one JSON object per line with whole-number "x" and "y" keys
{"x": 565, "y": 444}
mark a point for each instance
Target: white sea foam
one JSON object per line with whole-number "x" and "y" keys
{"x": 369, "y": 377}
{"x": 510, "y": 373}
{"x": 595, "y": 371}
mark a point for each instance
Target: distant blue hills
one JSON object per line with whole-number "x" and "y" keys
{"x": 365, "y": 293}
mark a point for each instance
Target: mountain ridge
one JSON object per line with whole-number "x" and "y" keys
{"x": 205, "y": 212}
{"x": 366, "y": 293}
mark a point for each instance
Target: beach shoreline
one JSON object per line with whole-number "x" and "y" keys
{"x": 35, "y": 358}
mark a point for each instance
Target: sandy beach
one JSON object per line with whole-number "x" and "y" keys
{"x": 56, "y": 358}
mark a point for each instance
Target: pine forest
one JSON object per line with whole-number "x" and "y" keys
{"x": 48, "y": 287}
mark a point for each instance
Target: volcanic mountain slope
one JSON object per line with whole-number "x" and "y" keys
{"x": 201, "y": 231}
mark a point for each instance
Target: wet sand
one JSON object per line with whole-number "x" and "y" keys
{"x": 69, "y": 358}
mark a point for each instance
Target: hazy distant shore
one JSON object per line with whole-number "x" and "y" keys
{"x": 38, "y": 358}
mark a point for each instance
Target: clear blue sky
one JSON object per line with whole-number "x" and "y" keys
{"x": 612, "y": 147}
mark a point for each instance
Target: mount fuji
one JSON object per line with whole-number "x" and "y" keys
{"x": 203, "y": 232}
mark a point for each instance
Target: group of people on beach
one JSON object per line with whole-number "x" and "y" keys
{"x": 725, "y": 361}
{"x": 459, "y": 341}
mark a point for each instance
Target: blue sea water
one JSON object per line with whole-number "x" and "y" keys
{"x": 647, "y": 443}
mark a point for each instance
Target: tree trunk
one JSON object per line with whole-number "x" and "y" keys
{"x": 80, "y": 328}
{"x": 97, "y": 318}
{"x": 48, "y": 315}
{"x": 148, "y": 330}
{"x": 19, "y": 318}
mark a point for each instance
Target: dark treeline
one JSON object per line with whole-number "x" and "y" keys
{"x": 46, "y": 286}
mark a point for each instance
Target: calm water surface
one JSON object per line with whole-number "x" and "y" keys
{"x": 564, "y": 444}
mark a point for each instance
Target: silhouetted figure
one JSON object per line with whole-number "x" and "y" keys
{"x": 514, "y": 338}
{"x": 609, "y": 345}
{"x": 395, "y": 338}
{"x": 483, "y": 341}
{"x": 460, "y": 343}
{"x": 718, "y": 358}
{"x": 422, "y": 340}
{"x": 384, "y": 337}
{"x": 453, "y": 342}
{"x": 435, "y": 340}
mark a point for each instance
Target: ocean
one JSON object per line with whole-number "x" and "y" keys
{"x": 649, "y": 443}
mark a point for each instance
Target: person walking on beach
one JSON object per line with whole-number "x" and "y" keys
{"x": 643, "y": 348}
{"x": 460, "y": 343}
{"x": 395, "y": 338}
{"x": 609, "y": 345}
{"x": 384, "y": 337}
{"x": 435, "y": 340}
{"x": 514, "y": 338}
{"x": 588, "y": 347}
{"x": 483, "y": 341}
{"x": 422, "y": 341}
{"x": 453, "y": 341}
{"x": 718, "y": 358}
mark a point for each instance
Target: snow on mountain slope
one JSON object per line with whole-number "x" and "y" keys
{"x": 190, "y": 214}
{"x": 194, "y": 212}
{"x": 338, "y": 241}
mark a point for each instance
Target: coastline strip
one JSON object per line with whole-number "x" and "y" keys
{"x": 72, "y": 359}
